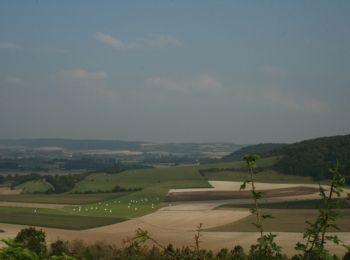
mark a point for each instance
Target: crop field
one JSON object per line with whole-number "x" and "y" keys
{"x": 66, "y": 198}
{"x": 285, "y": 220}
{"x": 297, "y": 204}
{"x": 154, "y": 183}
{"x": 222, "y": 195}
{"x": 52, "y": 218}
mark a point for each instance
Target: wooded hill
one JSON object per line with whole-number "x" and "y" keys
{"x": 307, "y": 158}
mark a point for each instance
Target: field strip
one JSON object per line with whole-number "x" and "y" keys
{"x": 209, "y": 240}
{"x": 230, "y": 190}
{"x": 8, "y": 191}
{"x": 235, "y": 186}
{"x": 34, "y": 205}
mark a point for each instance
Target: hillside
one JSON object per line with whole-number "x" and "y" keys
{"x": 306, "y": 158}
{"x": 252, "y": 149}
{"x": 314, "y": 157}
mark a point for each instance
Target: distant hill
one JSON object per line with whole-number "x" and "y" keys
{"x": 71, "y": 143}
{"x": 264, "y": 148}
{"x": 314, "y": 157}
{"x": 311, "y": 157}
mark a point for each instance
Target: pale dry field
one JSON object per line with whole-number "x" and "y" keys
{"x": 176, "y": 224}
{"x": 235, "y": 186}
{"x": 8, "y": 191}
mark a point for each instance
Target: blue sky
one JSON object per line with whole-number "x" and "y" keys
{"x": 171, "y": 71}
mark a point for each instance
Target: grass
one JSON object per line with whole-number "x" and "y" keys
{"x": 154, "y": 182}
{"x": 285, "y": 220}
{"x": 66, "y": 198}
{"x": 36, "y": 186}
{"x": 298, "y": 204}
{"x": 52, "y": 218}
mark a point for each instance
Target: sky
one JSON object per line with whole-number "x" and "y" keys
{"x": 175, "y": 71}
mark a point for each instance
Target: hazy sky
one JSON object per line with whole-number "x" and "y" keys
{"x": 170, "y": 71}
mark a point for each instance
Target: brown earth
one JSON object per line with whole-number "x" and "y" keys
{"x": 8, "y": 191}
{"x": 226, "y": 195}
{"x": 176, "y": 224}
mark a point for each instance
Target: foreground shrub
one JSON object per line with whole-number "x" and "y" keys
{"x": 32, "y": 239}
{"x": 15, "y": 251}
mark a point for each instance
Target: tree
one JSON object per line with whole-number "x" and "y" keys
{"x": 32, "y": 239}
{"x": 15, "y": 251}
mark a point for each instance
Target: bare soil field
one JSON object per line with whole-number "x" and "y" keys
{"x": 226, "y": 195}
{"x": 229, "y": 190}
{"x": 176, "y": 224}
{"x": 8, "y": 191}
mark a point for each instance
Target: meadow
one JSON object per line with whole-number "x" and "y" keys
{"x": 154, "y": 183}
{"x": 52, "y": 218}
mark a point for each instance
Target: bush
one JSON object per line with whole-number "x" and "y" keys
{"x": 59, "y": 248}
{"x": 32, "y": 239}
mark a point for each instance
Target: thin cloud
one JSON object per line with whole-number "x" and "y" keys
{"x": 9, "y": 46}
{"x": 15, "y": 81}
{"x": 200, "y": 84}
{"x": 81, "y": 74}
{"x": 151, "y": 41}
{"x": 291, "y": 102}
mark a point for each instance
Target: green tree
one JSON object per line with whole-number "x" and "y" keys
{"x": 16, "y": 251}
{"x": 32, "y": 239}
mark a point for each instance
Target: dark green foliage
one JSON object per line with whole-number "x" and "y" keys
{"x": 266, "y": 248}
{"x": 19, "y": 179}
{"x": 89, "y": 163}
{"x": 298, "y": 204}
{"x": 32, "y": 239}
{"x": 252, "y": 149}
{"x": 314, "y": 157}
{"x": 135, "y": 249}
{"x": 315, "y": 234}
{"x": 120, "y": 189}
{"x": 63, "y": 183}
{"x": 59, "y": 248}
{"x": 59, "y": 183}
{"x": 238, "y": 253}
{"x": 16, "y": 251}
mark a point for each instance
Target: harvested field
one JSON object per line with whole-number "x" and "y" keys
{"x": 230, "y": 190}
{"x": 8, "y": 191}
{"x": 176, "y": 225}
{"x": 226, "y": 195}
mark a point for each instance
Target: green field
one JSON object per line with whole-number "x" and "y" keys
{"x": 285, "y": 220}
{"x": 155, "y": 183}
{"x": 37, "y": 186}
{"x": 52, "y": 218}
{"x": 66, "y": 198}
